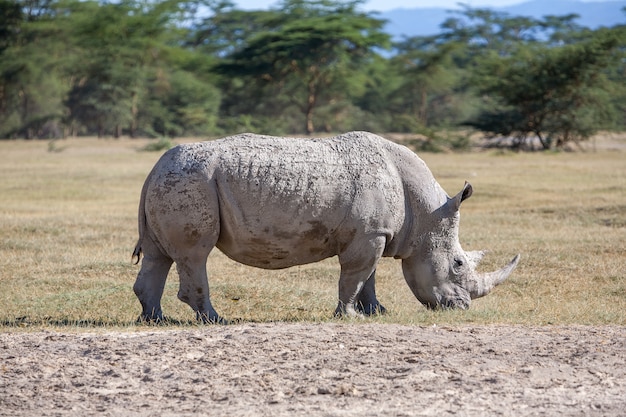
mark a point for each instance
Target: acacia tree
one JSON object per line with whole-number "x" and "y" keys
{"x": 428, "y": 76}
{"x": 133, "y": 65}
{"x": 482, "y": 31}
{"x": 308, "y": 51}
{"x": 33, "y": 41}
{"x": 118, "y": 43}
{"x": 435, "y": 88}
{"x": 224, "y": 29}
{"x": 558, "y": 94}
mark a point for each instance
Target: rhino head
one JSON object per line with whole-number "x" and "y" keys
{"x": 440, "y": 273}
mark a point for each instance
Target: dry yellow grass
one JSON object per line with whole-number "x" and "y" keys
{"x": 68, "y": 226}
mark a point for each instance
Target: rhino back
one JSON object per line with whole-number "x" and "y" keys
{"x": 289, "y": 201}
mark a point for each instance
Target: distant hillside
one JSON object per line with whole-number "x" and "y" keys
{"x": 426, "y": 21}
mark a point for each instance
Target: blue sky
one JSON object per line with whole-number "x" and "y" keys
{"x": 384, "y": 5}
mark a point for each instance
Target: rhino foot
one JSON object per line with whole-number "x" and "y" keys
{"x": 371, "y": 309}
{"x": 152, "y": 319}
{"x": 347, "y": 310}
{"x": 211, "y": 318}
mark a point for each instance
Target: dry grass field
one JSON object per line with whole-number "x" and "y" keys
{"x": 550, "y": 340}
{"x": 68, "y": 226}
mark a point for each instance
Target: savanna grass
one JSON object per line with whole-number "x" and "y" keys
{"x": 68, "y": 226}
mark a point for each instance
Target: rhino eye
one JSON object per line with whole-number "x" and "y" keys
{"x": 458, "y": 263}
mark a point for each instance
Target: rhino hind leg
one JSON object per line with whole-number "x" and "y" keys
{"x": 150, "y": 282}
{"x": 187, "y": 228}
{"x": 367, "y": 302}
{"x": 194, "y": 289}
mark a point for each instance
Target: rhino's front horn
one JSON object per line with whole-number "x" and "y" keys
{"x": 484, "y": 283}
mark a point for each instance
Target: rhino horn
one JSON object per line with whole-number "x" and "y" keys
{"x": 484, "y": 283}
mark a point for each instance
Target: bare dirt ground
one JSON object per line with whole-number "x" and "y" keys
{"x": 330, "y": 369}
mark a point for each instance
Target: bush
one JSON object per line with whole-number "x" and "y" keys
{"x": 161, "y": 144}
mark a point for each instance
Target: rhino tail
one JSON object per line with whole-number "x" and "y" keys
{"x": 136, "y": 253}
{"x": 142, "y": 222}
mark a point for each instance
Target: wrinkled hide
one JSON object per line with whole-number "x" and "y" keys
{"x": 274, "y": 202}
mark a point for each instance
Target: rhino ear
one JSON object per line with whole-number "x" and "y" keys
{"x": 465, "y": 193}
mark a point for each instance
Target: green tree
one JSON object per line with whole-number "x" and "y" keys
{"x": 179, "y": 103}
{"x": 617, "y": 78}
{"x": 136, "y": 77}
{"x": 436, "y": 87}
{"x": 308, "y": 53}
{"x": 33, "y": 78}
{"x": 11, "y": 18}
{"x": 483, "y": 30}
{"x": 118, "y": 41}
{"x": 224, "y": 29}
{"x": 558, "y": 94}
{"x": 428, "y": 82}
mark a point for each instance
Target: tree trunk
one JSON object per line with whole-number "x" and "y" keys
{"x": 422, "y": 107}
{"x": 133, "y": 111}
{"x": 310, "y": 128}
{"x": 545, "y": 145}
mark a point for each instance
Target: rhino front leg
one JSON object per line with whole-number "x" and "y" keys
{"x": 367, "y": 302}
{"x": 358, "y": 264}
{"x": 151, "y": 281}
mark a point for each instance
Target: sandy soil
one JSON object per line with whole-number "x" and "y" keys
{"x": 335, "y": 369}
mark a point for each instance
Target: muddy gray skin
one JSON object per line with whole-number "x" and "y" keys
{"x": 274, "y": 203}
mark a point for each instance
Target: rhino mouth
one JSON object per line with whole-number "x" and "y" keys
{"x": 451, "y": 304}
{"x": 455, "y": 303}
{"x": 461, "y": 300}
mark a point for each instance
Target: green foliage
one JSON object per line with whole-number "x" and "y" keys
{"x": 158, "y": 145}
{"x": 311, "y": 52}
{"x": 440, "y": 140}
{"x": 11, "y": 19}
{"x": 122, "y": 45}
{"x": 31, "y": 73}
{"x": 178, "y": 104}
{"x": 428, "y": 80}
{"x": 169, "y": 69}
{"x": 556, "y": 94}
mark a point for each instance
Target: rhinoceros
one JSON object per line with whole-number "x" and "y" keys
{"x": 273, "y": 203}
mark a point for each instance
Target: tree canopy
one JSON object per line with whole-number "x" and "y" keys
{"x": 557, "y": 94}
{"x": 203, "y": 67}
{"x": 312, "y": 54}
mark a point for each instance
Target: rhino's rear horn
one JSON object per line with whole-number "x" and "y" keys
{"x": 484, "y": 283}
{"x": 474, "y": 257}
